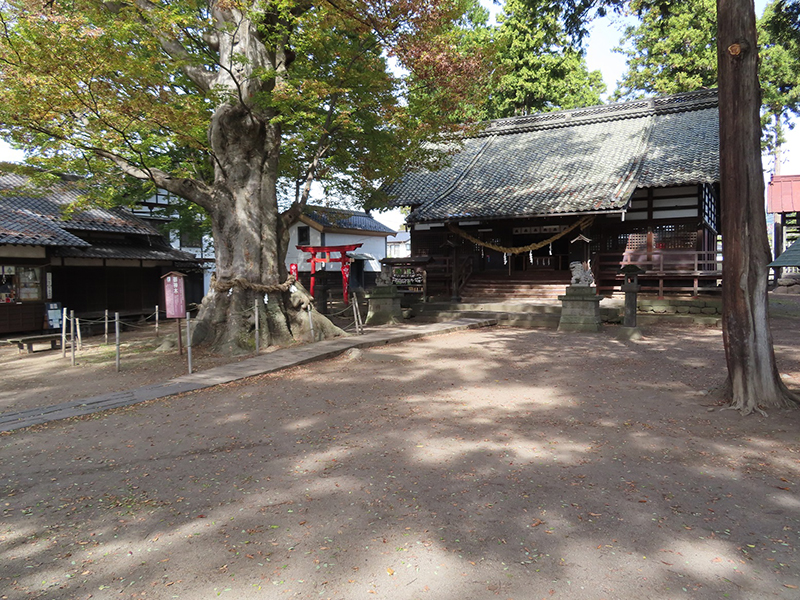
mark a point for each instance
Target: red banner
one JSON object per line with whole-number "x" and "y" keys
{"x": 294, "y": 270}
{"x": 345, "y": 278}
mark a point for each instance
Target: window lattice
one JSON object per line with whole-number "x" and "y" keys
{"x": 709, "y": 202}
{"x": 675, "y": 237}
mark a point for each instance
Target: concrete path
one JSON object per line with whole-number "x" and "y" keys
{"x": 258, "y": 365}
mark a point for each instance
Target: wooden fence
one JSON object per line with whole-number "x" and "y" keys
{"x": 677, "y": 271}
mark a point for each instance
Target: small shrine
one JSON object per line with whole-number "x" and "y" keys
{"x": 326, "y": 255}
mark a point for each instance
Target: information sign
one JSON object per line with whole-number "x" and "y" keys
{"x": 174, "y": 296}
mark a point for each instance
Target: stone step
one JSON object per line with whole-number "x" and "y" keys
{"x": 473, "y": 291}
{"x": 553, "y": 308}
{"x": 524, "y": 320}
{"x": 513, "y": 289}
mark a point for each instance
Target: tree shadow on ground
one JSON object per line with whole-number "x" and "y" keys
{"x": 495, "y": 463}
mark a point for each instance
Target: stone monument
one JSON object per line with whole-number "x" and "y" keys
{"x": 384, "y": 301}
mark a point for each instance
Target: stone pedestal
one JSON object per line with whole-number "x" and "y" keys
{"x": 580, "y": 309}
{"x": 629, "y": 330}
{"x": 631, "y": 290}
{"x": 384, "y": 306}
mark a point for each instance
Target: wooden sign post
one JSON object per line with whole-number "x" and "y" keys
{"x": 175, "y": 300}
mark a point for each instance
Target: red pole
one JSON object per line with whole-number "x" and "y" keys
{"x": 313, "y": 270}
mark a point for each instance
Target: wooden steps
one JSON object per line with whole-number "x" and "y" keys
{"x": 533, "y": 285}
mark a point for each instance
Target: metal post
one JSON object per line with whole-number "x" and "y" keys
{"x": 189, "y": 340}
{"x": 357, "y": 315}
{"x": 256, "y": 316}
{"x": 156, "y": 320}
{"x": 116, "y": 328}
{"x": 72, "y": 335}
{"x": 360, "y": 320}
{"x": 64, "y": 333}
{"x": 105, "y": 335}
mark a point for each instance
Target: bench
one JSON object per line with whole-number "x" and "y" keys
{"x": 29, "y": 341}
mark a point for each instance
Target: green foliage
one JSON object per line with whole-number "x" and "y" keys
{"x": 539, "y": 68}
{"x": 784, "y": 22}
{"x": 121, "y": 88}
{"x": 673, "y": 49}
{"x": 669, "y": 51}
{"x": 532, "y": 65}
{"x": 779, "y": 72}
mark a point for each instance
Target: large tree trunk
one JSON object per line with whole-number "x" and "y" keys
{"x": 753, "y": 378}
{"x": 250, "y": 275}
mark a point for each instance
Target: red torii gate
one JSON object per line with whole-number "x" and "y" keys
{"x": 328, "y": 250}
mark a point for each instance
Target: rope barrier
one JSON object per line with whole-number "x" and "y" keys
{"x": 225, "y": 285}
{"x": 582, "y": 223}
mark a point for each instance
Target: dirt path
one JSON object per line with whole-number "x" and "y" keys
{"x": 498, "y": 463}
{"x": 46, "y": 377}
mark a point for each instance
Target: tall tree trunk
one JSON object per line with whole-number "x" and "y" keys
{"x": 250, "y": 279}
{"x": 753, "y": 378}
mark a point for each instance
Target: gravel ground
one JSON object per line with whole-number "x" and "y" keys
{"x": 499, "y": 463}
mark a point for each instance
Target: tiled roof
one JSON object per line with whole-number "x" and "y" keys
{"x": 339, "y": 218}
{"x": 683, "y": 149}
{"x": 22, "y": 227}
{"x": 789, "y": 258}
{"x": 126, "y": 251}
{"x": 577, "y": 161}
{"x": 35, "y": 218}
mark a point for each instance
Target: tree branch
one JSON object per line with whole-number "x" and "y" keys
{"x": 202, "y": 78}
{"x": 190, "y": 189}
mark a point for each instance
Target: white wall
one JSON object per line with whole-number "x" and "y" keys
{"x": 293, "y": 255}
{"x": 375, "y": 246}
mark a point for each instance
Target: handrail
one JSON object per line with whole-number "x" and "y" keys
{"x": 660, "y": 265}
{"x": 662, "y": 261}
{"x": 464, "y": 273}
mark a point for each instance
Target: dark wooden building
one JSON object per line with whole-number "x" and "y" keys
{"x": 783, "y": 202}
{"x": 86, "y": 260}
{"x": 633, "y": 182}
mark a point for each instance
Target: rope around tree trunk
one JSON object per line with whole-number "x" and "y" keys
{"x": 582, "y": 223}
{"x": 225, "y": 285}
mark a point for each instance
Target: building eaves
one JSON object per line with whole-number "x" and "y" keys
{"x": 342, "y": 219}
{"x": 126, "y": 252}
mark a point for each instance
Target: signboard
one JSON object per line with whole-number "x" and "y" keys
{"x": 174, "y": 296}
{"x": 54, "y": 313}
{"x": 294, "y": 270}
{"x": 408, "y": 276}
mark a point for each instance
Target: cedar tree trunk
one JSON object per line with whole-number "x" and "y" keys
{"x": 753, "y": 379}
